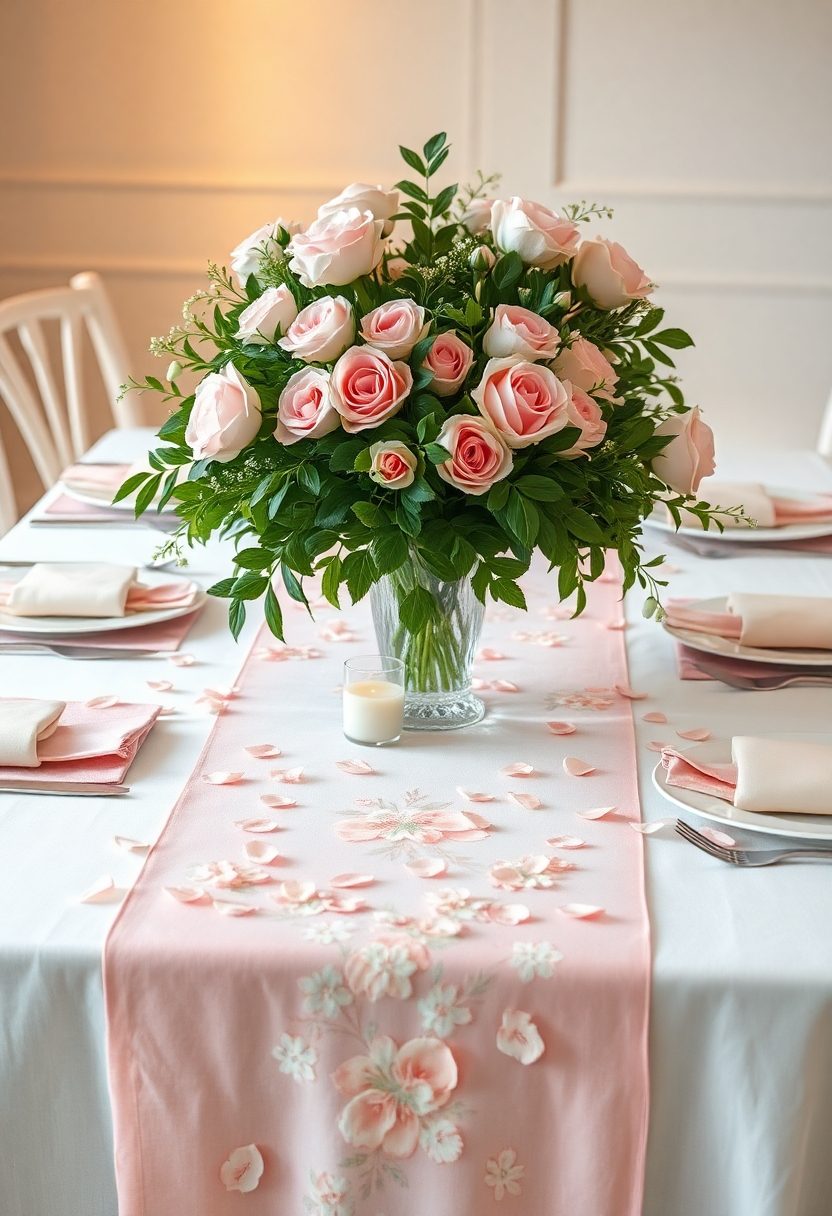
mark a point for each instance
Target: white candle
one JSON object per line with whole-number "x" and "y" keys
{"x": 373, "y": 711}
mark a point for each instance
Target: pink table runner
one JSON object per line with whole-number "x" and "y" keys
{"x": 402, "y": 990}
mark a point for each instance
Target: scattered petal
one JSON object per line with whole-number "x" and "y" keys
{"x": 128, "y": 845}
{"x": 258, "y": 850}
{"x": 562, "y": 728}
{"x": 574, "y": 767}
{"x": 352, "y": 880}
{"x": 518, "y": 769}
{"x": 356, "y": 768}
{"x": 617, "y": 625}
{"x": 263, "y": 751}
{"x": 655, "y": 716}
{"x": 468, "y": 796}
{"x": 624, "y": 690}
{"x": 182, "y": 660}
{"x": 650, "y": 829}
{"x": 656, "y": 745}
{"x": 186, "y": 895}
{"x": 223, "y": 777}
{"x": 160, "y": 685}
{"x": 566, "y": 842}
{"x": 519, "y": 1038}
{"x": 509, "y": 914}
{"x": 257, "y": 825}
{"x": 289, "y": 776}
{"x": 101, "y": 702}
{"x": 529, "y": 802}
{"x": 227, "y": 908}
{"x": 698, "y": 735}
{"x": 278, "y": 801}
{"x": 580, "y": 911}
{"x": 598, "y": 812}
{"x": 720, "y": 838}
{"x": 243, "y": 1169}
{"x": 427, "y": 867}
{"x": 490, "y": 655}
{"x": 505, "y": 686}
{"x": 104, "y": 891}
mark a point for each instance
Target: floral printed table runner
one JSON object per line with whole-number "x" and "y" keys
{"x": 357, "y": 982}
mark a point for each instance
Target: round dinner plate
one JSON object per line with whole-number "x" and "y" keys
{"x": 718, "y": 751}
{"x": 728, "y": 648}
{"x": 34, "y": 626}
{"x": 100, "y": 498}
{"x": 751, "y": 536}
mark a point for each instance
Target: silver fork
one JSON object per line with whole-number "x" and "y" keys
{"x": 745, "y": 857}
{"x": 820, "y": 677}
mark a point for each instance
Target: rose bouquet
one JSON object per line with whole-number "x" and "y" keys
{"x": 412, "y": 395}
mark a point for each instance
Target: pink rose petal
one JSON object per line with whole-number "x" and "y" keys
{"x": 258, "y": 850}
{"x": 278, "y": 801}
{"x": 243, "y": 1169}
{"x": 655, "y": 716}
{"x": 128, "y": 845}
{"x": 574, "y": 767}
{"x": 227, "y": 908}
{"x": 182, "y": 660}
{"x": 101, "y": 702}
{"x": 468, "y": 796}
{"x": 296, "y": 892}
{"x": 186, "y": 895}
{"x": 529, "y": 802}
{"x": 104, "y": 891}
{"x": 597, "y": 812}
{"x": 509, "y": 914}
{"x": 289, "y": 776}
{"x": 617, "y": 625}
{"x": 505, "y": 686}
{"x": 160, "y": 685}
{"x": 257, "y": 825}
{"x": 566, "y": 842}
{"x": 720, "y": 838}
{"x": 562, "y": 728}
{"x": 698, "y": 735}
{"x": 263, "y": 751}
{"x": 490, "y": 655}
{"x": 518, "y": 769}
{"x": 624, "y": 690}
{"x": 580, "y": 911}
{"x": 223, "y": 777}
{"x": 352, "y": 880}
{"x": 650, "y": 829}
{"x": 356, "y": 768}
{"x": 656, "y": 745}
{"x": 427, "y": 867}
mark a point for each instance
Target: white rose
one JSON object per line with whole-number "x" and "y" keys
{"x": 337, "y": 249}
{"x": 608, "y": 273}
{"x": 383, "y": 203}
{"x": 540, "y": 236}
{"x": 247, "y": 256}
{"x": 321, "y": 331}
{"x": 395, "y": 327}
{"x": 477, "y": 215}
{"x": 225, "y": 416}
{"x": 275, "y": 309}
{"x": 393, "y": 465}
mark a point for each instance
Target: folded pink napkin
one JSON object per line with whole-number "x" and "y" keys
{"x": 778, "y": 776}
{"x": 763, "y": 621}
{"x": 769, "y": 510}
{"x": 87, "y": 743}
{"x": 97, "y": 477}
{"x": 80, "y": 589}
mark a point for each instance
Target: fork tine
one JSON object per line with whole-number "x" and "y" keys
{"x": 701, "y": 842}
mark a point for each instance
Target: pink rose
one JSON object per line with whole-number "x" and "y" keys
{"x": 393, "y": 465}
{"x": 368, "y": 388}
{"x": 275, "y": 309}
{"x": 518, "y": 331}
{"x": 609, "y": 274}
{"x": 383, "y": 203}
{"x": 477, "y": 215}
{"x": 225, "y": 416}
{"x": 337, "y": 249}
{"x": 395, "y": 327}
{"x": 479, "y": 456}
{"x": 583, "y": 365}
{"x": 524, "y": 401}
{"x": 304, "y": 408}
{"x": 540, "y": 236}
{"x": 690, "y": 454}
{"x": 586, "y": 414}
{"x": 450, "y": 359}
{"x": 321, "y": 331}
{"x": 247, "y": 256}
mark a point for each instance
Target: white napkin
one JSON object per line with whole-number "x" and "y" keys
{"x": 782, "y": 775}
{"x": 754, "y": 499}
{"x": 88, "y": 589}
{"x": 784, "y": 620}
{"x": 23, "y": 724}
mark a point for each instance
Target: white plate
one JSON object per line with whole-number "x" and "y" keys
{"x": 718, "y": 751}
{"x": 65, "y": 625}
{"x": 710, "y": 643}
{"x": 808, "y": 531}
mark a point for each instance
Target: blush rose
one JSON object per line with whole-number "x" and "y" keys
{"x": 322, "y": 331}
{"x": 275, "y": 309}
{"x": 368, "y": 388}
{"x": 608, "y": 274}
{"x": 450, "y": 359}
{"x": 304, "y": 408}
{"x": 337, "y": 248}
{"x": 225, "y": 416}
{"x": 518, "y": 331}
{"x": 479, "y": 457}
{"x": 395, "y": 327}
{"x": 525, "y": 402}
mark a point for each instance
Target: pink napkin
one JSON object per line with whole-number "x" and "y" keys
{"x": 800, "y": 511}
{"x": 96, "y": 476}
{"x": 767, "y": 776}
{"x": 688, "y": 772}
{"x": 90, "y": 744}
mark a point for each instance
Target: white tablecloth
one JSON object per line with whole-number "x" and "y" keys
{"x": 741, "y": 1023}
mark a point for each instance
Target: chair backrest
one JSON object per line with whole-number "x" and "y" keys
{"x": 46, "y": 401}
{"x": 825, "y": 437}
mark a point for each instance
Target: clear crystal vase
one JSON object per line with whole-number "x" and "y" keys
{"x": 437, "y": 659}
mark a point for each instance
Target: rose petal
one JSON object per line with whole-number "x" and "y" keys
{"x": 263, "y": 751}
{"x": 566, "y": 842}
{"x": 257, "y": 825}
{"x": 467, "y": 796}
{"x": 529, "y": 802}
{"x": 518, "y": 769}
{"x": 655, "y": 745}
{"x": 624, "y": 690}
{"x": 654, "y": 716}
{"x": 490, "y": 655}
{"x": 227, "y": 908}
{"x": 505, "y": 686}
{"x": 352, "y": 880}
{"x": 186, "y": 895}
{"x": 580, "y": 911}
{"x": 427, "y": 867}
{"x": 562, "y": 728}
{"x": 278, "y": 801}
{"x": 160, "y": 685}
{"x": 182, "y": 660}
{"x": 617, "y": 625}
{"x": 104, "y": 891}
{"x": 698, "y": 735}
{"x": 223, "y": 777}
{"x": 289, "y": 776}
{"x": 597, "y": 812}
{"x": 356, "y": 768}
{"x": 574, "y": 767}
{"x": 258, "y": 850}
{"x": 717, "y": 837}
{"x": 101, "y": 702}
{"x": 509, "y": 914}
{"x": 129, "y": 845}
{"x": 650, "y": 829}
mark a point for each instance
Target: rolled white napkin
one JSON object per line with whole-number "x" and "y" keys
{"x": 23, "y": 724}
{"x": 783, "y": 620}
{"x": 88, "y": 589}
{"x": 782, "y": 776}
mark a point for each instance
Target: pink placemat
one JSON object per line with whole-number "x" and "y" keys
{"x": 300, "y": 1019}
{"x": 93, "y": 743}
{"x": 164, "y": 636}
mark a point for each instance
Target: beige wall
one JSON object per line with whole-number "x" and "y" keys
{"x": 150, "y": 135}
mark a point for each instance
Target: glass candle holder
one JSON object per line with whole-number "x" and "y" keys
{"x": 373, "y": 700}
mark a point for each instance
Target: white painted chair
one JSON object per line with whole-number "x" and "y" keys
{"x": 46, "y": 400}
{"x": 825, "y": 438}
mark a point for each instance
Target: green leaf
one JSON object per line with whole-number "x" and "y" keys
{"x": 436, "y": 454}
{"x": 236, "y": 617}
{"x": 276, "y": 500}
{"x": 436, "y": 162}
{"x": 479, "y": 581}
{"x": 498, "y": 496}
{"x": 435, "y": 144}
{"x": 261, "y": 491}
{"x": 390, "y": 550}
{"x": 508, "y": 592}
{"x": 147, "y": 493}
{"x": 412, "y": 191}
{"x": 443, "y": 200}
{"x": 292, "y": 585}
{"x": 413, "y": 160}
{"x": 127, "y": 487}
{"x": 676, "y": 339}
{"x": 273, "y": 613}
{"x": 223, "y": 589}
{"x": 508, "y": 271}
{"x": 582, "y": 525}
{"x": 359, "y": 573}
{"x": 649, "y": 321}
{"x": 343, "y": 458}
{"x": 522, "y": 518}
{"x": 369, "y": 513}
{"x": 250, "y": 586}
{"x": 253, "y": 559}
{"x": 427, "y": 428}
{"x": 310, "y": 478}
{"x": 363, "y": 461}
{"x": 331, "y": 581}
{"x": 542, "y": 489}
{"x": 507, "y": 567}
{"x": 416, "y": 609}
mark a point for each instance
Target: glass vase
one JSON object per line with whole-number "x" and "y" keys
{"x": 437, "y": 659}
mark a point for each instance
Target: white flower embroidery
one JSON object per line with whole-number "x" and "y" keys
{"x": 535, "y": 958}
{"x": 324, "y": 992}
{"x": 440, "y": 1012}
{"x": 384, "y": 967}
{"x": 328, "y": 933}
{"x": 328, "y": 1196}
{"x": 441, "y": 1140}
{"x": 296, "y": 1058}
{"x": 504, "y": 1174}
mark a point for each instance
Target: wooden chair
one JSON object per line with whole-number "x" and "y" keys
{"x": 46, "y": 400}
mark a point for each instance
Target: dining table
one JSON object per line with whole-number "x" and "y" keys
{"x": 740, "y": 1023}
